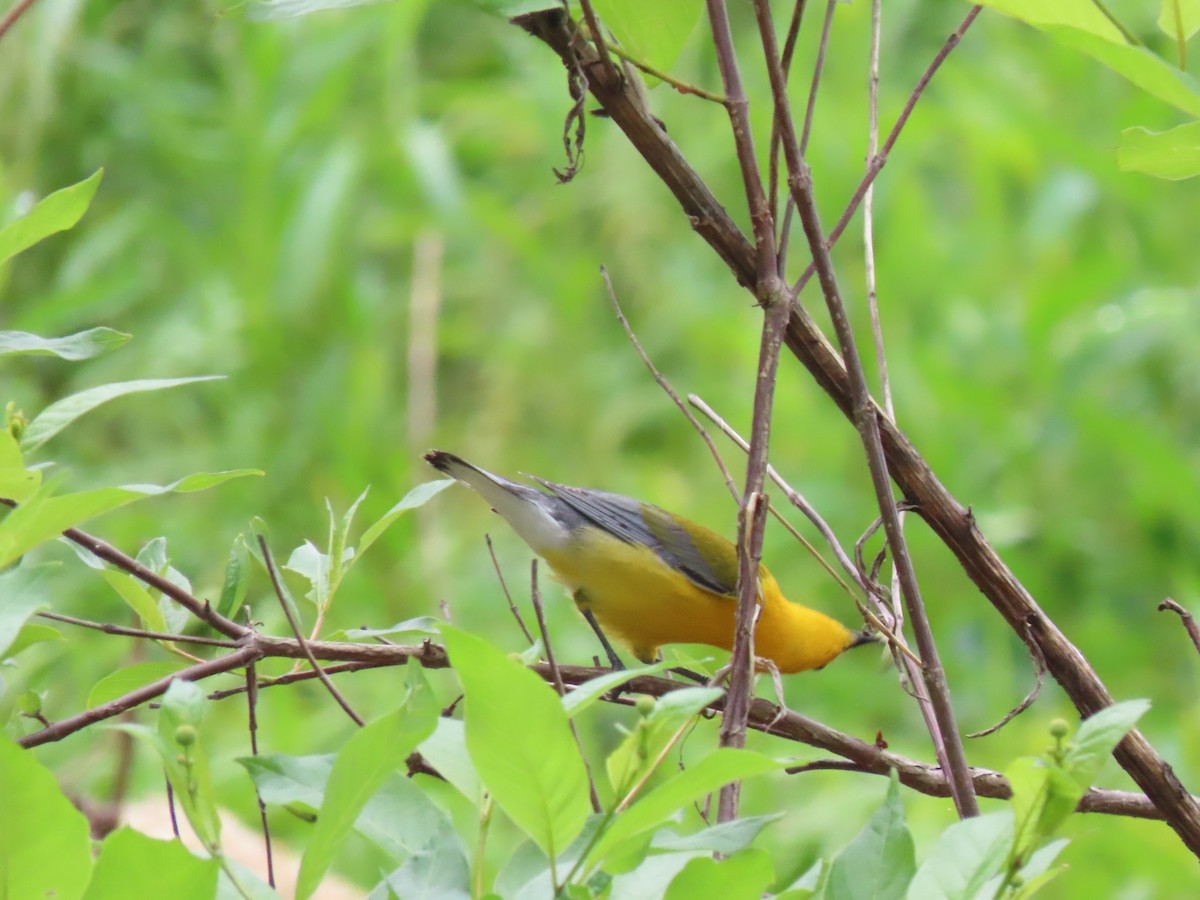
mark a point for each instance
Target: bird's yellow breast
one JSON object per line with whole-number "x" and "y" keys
{"x": 643, "y": 601}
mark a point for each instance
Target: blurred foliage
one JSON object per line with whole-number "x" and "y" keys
{"x": 290, "y": 204}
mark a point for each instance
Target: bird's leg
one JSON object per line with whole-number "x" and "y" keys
{"x": 613, "y": 659}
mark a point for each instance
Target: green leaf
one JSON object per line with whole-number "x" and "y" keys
{"x": 45, "y": 849}
{"x": 361, "y": 768}
{"x": 583, "y": 696}
{"x": 57, "y": 212}
{"x": 650, "y": 879}
{"x": 726, "y": 838}
{"x": 313, "y": 565}
{"x": 1179, "y": 19}
{"x": 138, "y": 598}
{"x": 81, "y": 345}
{"x": 1097, "y": 737}
{"x": 880, "y": 861}
{"x": 745, "y": 876}
{"x": 270, "y": 10}
{"x": 22, "y": 593}
{"x": 130, "y": 678}
{"x": 639, "y": 753}
{"x": 506, "y": 9}
{"x": 398, "y": 818}
{"x": 1037, "y": 872}
{"x": 16, "y": 482}
{"x": 340, "y": 555}
{"x": 654, "y": 33}
{"x": 1084, "y": 27}
{"x": 966, "y": 856}
{"x": 134, "y": 865}
{"x": 418, "y": 496}
{"x": 1171, "y": 155}
{"x": 236, "y": 580}
{"x": 32, "y": 633}
{"x": 58, "y": 415}
{"x": 446, "y": 751}
{"x": 180, "y": 716}
{"x": 1044, "y": 796}
{"x": 520, "y": 742}
{"x": 718, "y": 768}
{"x": 43, "y": 517}
{"x": 417, "y": 625}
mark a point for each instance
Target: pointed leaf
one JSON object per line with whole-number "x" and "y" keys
{"x": 132, "y": 864}
{"x": 881, "y": 861}
{"x": 710, "y": 773}
{"x": 57, "y": 416}
{"x": 745, "y": 876}
{"x": 1097, "y": 737}
{"x": 520, "y": 742}
{"x": 418, "y": 496}
{"x": 22, "y": 593}
{"x": 360, "y": 769}
{"x": 45, "y": 850}
{"x": 43, "y": 517}
{"x": 56, "y": 212}
{"x": 81, "y": 345}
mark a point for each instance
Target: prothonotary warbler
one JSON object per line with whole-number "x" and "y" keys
{"x": 647, "y": 576}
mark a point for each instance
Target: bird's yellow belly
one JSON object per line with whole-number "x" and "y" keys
{"x": 637, "y": 598}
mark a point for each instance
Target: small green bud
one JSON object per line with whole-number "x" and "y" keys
{"x": 185, "y": 735}
{"x": 183, "y": 760}
{"x": 1059, "y": 729}
{"x": 644, "y": 705}
{"x": 30, "y": 703}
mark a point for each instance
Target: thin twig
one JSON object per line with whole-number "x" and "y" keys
{"x": 1039, "y": 670}
{"x": 252, "y": 725}
{"x": 662, "y": 382}
{"x": 800, "y": 185}
{"x": 197, "y": 608}
{"x": 1189, "y": 621}
{"x": 877, "y": 163}
{"x": 773, "y": 296}
{"x": 794, "y": 497}
{"x": 681, "y": 86}
{"x": 300, "y": 639}
{"x": 512, "y": 606}
{"x": 64, "y": 727}
{"x": 789, "y": 48}
{"x": 593, "y": 23}
{"x": 10, "y": 18}
{"x": 949, "y": 518}
{"x": 109, "y": 628}
{"x": 535, "y": 597}
{"x": 818, "y": 69}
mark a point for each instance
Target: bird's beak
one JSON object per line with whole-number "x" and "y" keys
{"x": 865, "y": 637}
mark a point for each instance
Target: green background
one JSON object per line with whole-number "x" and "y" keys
{"x": 280, "y": 197}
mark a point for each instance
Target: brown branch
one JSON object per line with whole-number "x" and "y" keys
{"x": 512, "y": 606}
{"x": 196, "y": 607}
{"x": 867, "y": 422}
{"x": 281, "y": 593}
{"x": 10, "y": 18}
{"x": 252, "y": 727}
{"x": 773, "y": 296}
{"x": 877, "y": 162}
{"x": 1189, "y": 621}
{"x": 764, "y": 715}
{"x": 64, "y": 727}
{"x": 948, "y": 518}
{"x": 109, "y": 628}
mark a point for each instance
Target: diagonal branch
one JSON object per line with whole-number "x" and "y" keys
{"x": 950, "y": 520}
{"x": 946, "y": 734}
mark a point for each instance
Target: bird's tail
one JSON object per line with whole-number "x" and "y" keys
{"x": 528, "y": 511}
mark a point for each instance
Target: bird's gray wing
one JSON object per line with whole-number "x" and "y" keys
{"x": 642, "y": 523}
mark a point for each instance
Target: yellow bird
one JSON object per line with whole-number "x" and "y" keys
{"x": 647, "y": 576}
